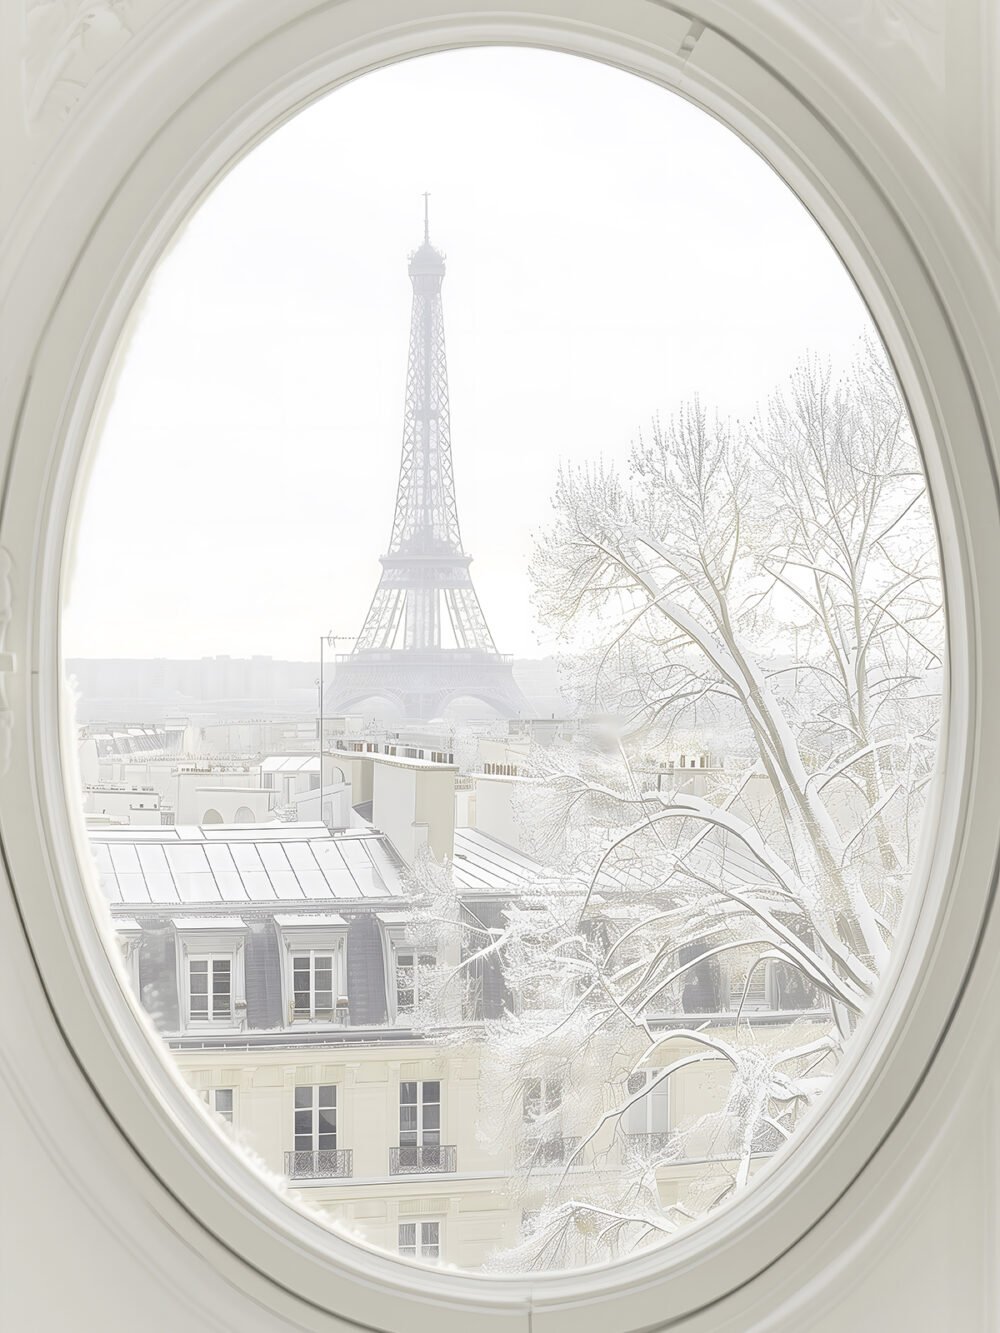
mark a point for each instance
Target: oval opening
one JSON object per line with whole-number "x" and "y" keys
{"x": 515, "y": 910}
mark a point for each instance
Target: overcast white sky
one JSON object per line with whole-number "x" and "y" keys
{"x": 611, "y": 251}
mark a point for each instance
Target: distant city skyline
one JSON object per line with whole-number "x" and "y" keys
{"x": 611, "y": 252}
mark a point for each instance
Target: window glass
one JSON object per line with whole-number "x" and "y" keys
{"x": 315, "y": 1118}
{"x": 541, "y": 810}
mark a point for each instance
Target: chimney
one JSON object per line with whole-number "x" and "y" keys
{"x": 413, "y": 803}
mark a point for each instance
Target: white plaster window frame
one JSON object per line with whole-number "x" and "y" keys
{"x": 219, "y": 78}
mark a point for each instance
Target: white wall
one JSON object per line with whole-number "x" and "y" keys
{"x": 231, "y": 803}
{"x": 130, "y": 807}
{"x": 496, "y": 809}
{"x": 194, "y": 792}
{"x": 413, "y": 803}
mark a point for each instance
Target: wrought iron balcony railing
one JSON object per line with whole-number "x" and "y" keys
{"x": 554, "y": 1151}
{"x": 320, "y": 1165}
{"x": 422, "y": 1159}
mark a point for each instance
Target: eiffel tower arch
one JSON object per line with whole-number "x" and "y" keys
{"x": 425, "y": 641}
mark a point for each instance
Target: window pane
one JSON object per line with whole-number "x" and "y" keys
{"x": 626, "y": 839}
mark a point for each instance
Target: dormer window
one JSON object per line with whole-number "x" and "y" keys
{"x": 412, "y": 971}
{"x": 312, "y": 985}
{"x": 314, "y": 967}
{"x": 211, "y": 967}
{"x": 408, "y": 967}
{"x": 210, "y": 989}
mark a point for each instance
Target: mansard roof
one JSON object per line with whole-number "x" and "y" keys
{"x": 244, "y": 863}
{"x": 271, "y": 864}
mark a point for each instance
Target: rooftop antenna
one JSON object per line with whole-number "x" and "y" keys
{"x": 427, "y": 225}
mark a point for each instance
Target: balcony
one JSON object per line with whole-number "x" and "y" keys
{"x": 423, "y": 1159}
{"x": 326, "y": 1164}
{"x": 555, "y": 1151}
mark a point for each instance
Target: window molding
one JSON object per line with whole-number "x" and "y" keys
{"x": 917, "y": 257}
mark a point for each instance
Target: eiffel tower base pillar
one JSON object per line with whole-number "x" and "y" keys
{"x": 422, "y": 686}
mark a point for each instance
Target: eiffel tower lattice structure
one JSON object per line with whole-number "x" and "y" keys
{"x": 425, "y": 641}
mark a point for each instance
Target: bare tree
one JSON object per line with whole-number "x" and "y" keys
{"x": 775, "y": 585}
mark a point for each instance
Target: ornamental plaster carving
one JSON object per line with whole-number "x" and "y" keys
{"x": 65, "y": 45}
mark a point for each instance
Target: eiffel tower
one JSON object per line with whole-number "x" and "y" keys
{"x": 425, "y": 641}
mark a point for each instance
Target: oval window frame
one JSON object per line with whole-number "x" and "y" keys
{"x": 143, "y": 193}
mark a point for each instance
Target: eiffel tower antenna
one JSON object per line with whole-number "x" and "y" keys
{"x": 427, "y": 224}
{"x": 425, "y": 640}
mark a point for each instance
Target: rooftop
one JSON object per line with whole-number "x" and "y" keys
{"x": 279, "y": 863}
{"x": 243, "y": 863}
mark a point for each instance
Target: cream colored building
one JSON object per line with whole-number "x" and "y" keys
{"x": 282, "y": 965}
{"x": 475, "y": 1193}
